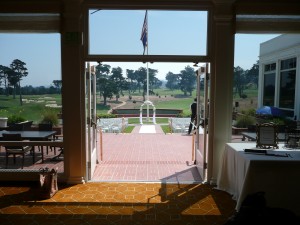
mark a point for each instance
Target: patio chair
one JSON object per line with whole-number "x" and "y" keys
{"x": 27, "y": 125}
{"x": 16, "y": 150}
{"x": 16, "y": 127}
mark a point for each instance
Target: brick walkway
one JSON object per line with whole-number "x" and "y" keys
{"x": 154, "y": 157}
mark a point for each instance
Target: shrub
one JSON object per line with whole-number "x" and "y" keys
{"x": 183, "y": 115}
{"x": 15, "y": 119}
{"x": 251, "y": 112}
{"x": 104, "y": 115}
{"x": 50, "y": 116}
{"x": 244, "y": 96}
{"x": 277, "y": 121}
{"x": 245, "y": 121}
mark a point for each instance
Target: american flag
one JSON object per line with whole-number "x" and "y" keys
{"x": 144, "y": 35}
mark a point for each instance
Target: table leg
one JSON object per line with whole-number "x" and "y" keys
{"x": 42, "y": 151}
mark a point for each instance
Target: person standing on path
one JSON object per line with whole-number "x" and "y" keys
{"x": 193, "y": 108}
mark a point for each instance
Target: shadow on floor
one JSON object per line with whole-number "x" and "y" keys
{"x": 116, "y": 203}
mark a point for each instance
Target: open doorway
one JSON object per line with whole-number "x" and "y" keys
{"x": 148, "y": 56}
{"x": 128, "y": 153}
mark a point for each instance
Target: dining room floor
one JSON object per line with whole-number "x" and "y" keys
{"x": 135, "y": 183}
{"x": 116, "y": 203}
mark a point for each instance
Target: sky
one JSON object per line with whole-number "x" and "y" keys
{"x": 118, "y": 32}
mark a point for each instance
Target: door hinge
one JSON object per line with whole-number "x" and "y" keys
{"x": 205, "y": 165}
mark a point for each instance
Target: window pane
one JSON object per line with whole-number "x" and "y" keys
{"x": 270, "y": 67}
{"x": 273, "y": 66}
{"x": 287, "y": 89}
{"x": 169, "y": 32}
{"x": 288, "y": 64}
{"x": 269, "y": 89}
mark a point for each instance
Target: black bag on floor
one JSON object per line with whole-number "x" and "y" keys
{"x": 48, "y": 183}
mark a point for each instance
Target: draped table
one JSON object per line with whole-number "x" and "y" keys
{"x": 246, "y": 173}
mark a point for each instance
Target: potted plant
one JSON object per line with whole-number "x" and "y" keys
{"x": 50, "y": 116}
{"x": 14, "y": 119}
{"x": 242, "y": 123}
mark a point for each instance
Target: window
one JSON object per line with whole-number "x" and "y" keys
{"x": 287, "y": 83}
{"x": 269, "y": 84}
{"x": 118, "y": 32}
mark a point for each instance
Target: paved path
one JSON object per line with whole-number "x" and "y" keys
{"x": 151, "y": 157}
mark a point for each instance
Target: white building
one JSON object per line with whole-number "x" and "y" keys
{"x": 279, "y": 74}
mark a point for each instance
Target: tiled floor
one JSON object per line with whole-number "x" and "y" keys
{"x": 116, "y": 204}
{"x": 169, "y": 194}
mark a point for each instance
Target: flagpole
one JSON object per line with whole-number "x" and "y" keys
{"x": 145, "y": 40}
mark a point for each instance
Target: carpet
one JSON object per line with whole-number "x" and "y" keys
{"x": 147, "y": 129}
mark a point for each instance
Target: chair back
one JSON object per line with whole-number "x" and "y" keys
{"x": 27, "y": 125}
{"x": 16, "y": 127}
{"x": 45, "y": 126}
{"x": 12, "y": 137}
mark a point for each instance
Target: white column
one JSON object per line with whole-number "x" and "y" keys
{"x": 73, "y": 94}
{"x": 221, "y": 87}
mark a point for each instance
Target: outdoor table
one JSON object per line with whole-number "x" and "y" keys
{"x": 32, "y": 136}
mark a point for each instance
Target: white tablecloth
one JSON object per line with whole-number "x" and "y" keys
{"x": 279, "y": 177}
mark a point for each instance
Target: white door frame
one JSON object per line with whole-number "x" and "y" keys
{"x": 91, "y": 122}
{"x": 201, "y": 140}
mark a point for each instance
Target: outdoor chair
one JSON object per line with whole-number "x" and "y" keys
{"x": 16, "y": 150}
{"x": 27, "y": 125}
{"x": 16, "y": 127}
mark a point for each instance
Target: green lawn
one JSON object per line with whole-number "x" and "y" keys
{"x": 31, "y": 110}
{"x": 166, "y": 128}
{"x": 34, "y": 107}
{"x": 128, "y": 129}
{"x": 180, "y": 103}
{"x": 137, "y": 120}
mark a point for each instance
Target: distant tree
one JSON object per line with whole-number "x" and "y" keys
{"x": 187, "y": 80}
{"x": 172, "y": 81}
{"x": 156, "y": 83}
{"x": 57, "y": 84}
{"x": 107, "y": 87}
{"x": 132, "y": 77}
{"x": 119, "y": 81}
{"x": 239, "y": 81}
{"x": 19, "y": 71}
{"x": 153, "y": 80}
{"x": 4, "y": 73}
{"x": 253, "y": 73}
{"x": 29, "y": 90}
{"x": 142, "y": 78}
{"x": 102, "y": 72}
